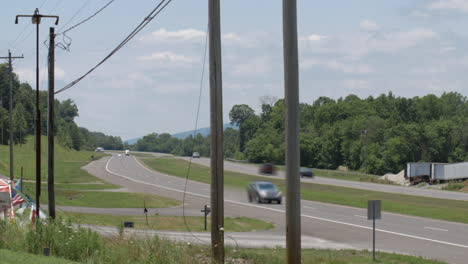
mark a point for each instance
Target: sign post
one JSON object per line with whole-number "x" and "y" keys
{"x": 206, "y": 210}
{"x": 373, "y": 213}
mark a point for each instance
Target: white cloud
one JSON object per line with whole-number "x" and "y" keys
{"x": 449, "y": 5}
{"x": 162, "y": 34}
{"x": 314, "y": 37}
{"x": 361, "y": 44}
{"x": 369, "y": 25}
{"x": 355, "y": 84}
{"x": 167, "y": 57}
{"x": 29, "y": 75}
{"x": 340, "y": 66}
{"x": 404, "y": 39}
{"x": 253, "y": 67}
{"x": 429, "y": 70}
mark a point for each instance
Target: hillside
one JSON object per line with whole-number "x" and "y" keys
{"x": 67, "y": 161}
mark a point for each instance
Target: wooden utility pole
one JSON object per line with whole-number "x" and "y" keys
{"x": 216, "y": 116}
{"x": 50, "y": 125}
{"x": 10, "y": 114}
{"x": 36, "y": 19}
{"x": 291, "y": 88}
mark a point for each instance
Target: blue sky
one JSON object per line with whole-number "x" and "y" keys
{"x": 362, "y": 47}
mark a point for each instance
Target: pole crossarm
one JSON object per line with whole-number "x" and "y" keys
{"x": 36, "y": 18}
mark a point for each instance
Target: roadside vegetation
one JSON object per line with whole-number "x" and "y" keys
{"x": 451, "y": 210}
{"x": 170, "y": 223}
{"x": 457, "y": 186}
{"x": 69, "y": 134}
{"x": 85, "y": 246}
{"x": 14, "y": 257}
{"x": 374, "y": 134}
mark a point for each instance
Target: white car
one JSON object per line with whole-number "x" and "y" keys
{"x": 127, "y": 152}
{"x": 196, "y": 155}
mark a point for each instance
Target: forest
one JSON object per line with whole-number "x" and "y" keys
{"x": 69, "y": 134}
{"x": 373, "y": 135}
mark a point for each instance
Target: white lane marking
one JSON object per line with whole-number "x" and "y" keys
{"x": 361, "y": 216}
{"x": 308, "y": 207}
{"x": 282, "y": 211}
{"x": 438, "y": 229}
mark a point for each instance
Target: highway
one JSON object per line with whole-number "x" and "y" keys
{"x": 253, "y": 170}
{"x": 333, "y": 224}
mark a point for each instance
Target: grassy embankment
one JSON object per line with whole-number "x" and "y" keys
{"x": 81, "y": 245}
{"x": 451, "y": 210}
{"x": 172, "y": 223}
{"x": 71, "y": 181}
{"x": 346, "y": 175}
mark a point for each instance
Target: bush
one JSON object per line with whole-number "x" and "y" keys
{"x": 63, "y": 240}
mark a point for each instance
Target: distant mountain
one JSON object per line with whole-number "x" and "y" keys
{"x": 132, "y": 141}
{"x": 204, "y": 131}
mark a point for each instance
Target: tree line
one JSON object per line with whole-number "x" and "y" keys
{"x": 69, "y": 134}
{"x": 374, "y": 134}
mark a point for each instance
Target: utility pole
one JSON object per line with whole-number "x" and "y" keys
{"x": 50, "y": 125}
{"x": 10, "y": 114}
{"x": 291, "y": 89}
{"x": 36, "y": 19}
{"x": 217, "y": 153}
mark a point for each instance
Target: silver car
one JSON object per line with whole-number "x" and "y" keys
{"x": 263, "y": 191}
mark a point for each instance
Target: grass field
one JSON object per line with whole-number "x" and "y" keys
{"x": 346, "y": 175}
{"x": 312, "y": 256}
{"x": 87, "y": 247}
{"x": 105, "y": 199}
{"x": 14, "y": 257}
{"x": 451, "y": 210}
{"x": 68, "y": 162}
{"x": 172, "y": 223}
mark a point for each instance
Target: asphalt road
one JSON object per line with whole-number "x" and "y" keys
{"x": 253, "y": 170}
{"x": 337, "y": 225}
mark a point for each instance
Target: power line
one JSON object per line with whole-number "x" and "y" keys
{"x": 155, "y": 12}
{"x": 76, "y": 13}
{"x": 67, "y": 41}
{"x": 25, "y": 27}
{"x": 88, "y": 18}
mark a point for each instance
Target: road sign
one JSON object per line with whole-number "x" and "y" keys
{"x": 373, "y": 213}
{"x": 373, "y": 210}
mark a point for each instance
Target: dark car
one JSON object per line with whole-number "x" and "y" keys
{"x": 306, "y": 172}
{"x": 263, "y": 191}
{"x": 267, "y": 168}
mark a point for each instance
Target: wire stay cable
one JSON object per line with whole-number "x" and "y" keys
{"x": 193, "y": 140}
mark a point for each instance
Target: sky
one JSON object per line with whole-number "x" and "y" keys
{"x": 362, "y": 47}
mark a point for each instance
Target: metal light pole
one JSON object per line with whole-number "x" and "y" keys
{"x": 10, "y": 114}
{"x": 291, "y": 90}
{"x": 36, "y": 19}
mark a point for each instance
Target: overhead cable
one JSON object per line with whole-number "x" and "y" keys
{"x": 86, "y": 19}
{"x": 155, "y": 12}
